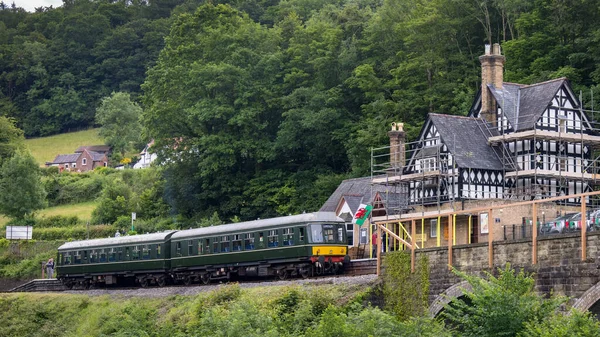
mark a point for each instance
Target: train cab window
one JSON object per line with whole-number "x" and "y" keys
{"x": 215, "y": 245}
{"x": 329, "y": 233}
{"x": 274, "y": 238}
{"x": 225, "y": 243}
{"x": 301, "y": 234}
{"x": 340, "y": 237}
{"x": 145, "y": 252}
{"x": 237, "y": 242}
{"x": 190, "y": 247}
{"x": 288, "y": 236}
{"x": 178, "y": 249}
{"x": 158, "y": 251}
{"x": 248, "y": 241}
{"x": 316, "y": 233}
{"x": 112, "y": 255}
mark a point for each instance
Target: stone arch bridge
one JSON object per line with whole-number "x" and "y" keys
{"x": 559, "y": 268}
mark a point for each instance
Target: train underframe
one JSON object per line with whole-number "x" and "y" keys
{"x": 315, "y": 266}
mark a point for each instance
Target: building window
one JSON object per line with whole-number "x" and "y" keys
{"x": 350, "y": 233}
{"x": 66, "y": 165}
{"x": 74, "y": 165}
{"x": 433, "y": 232}
{"x": 428, "y": 165}
{"x": 104, "y": 164}
{"x": 84, "y": 161}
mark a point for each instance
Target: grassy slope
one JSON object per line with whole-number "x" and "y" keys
{"x": 46, "y": 148}
{"x": 83, "y": 210}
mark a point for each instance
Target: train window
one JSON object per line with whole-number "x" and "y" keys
{"x": 145, "y": 252}
{"x": 158, "y": 251}
{"x": 120, "y": 254}
{"x": 288, "y": 236}
{"x": 316, "y": 233}
{"x": 85, "y": 255}
{"x": 237, "y": 242}
{"x": 136, "y": 253}
{"x": 112, "y": 255}
{"x": 190, "y": 247}
{"x": 178, "y": 248}
{"x": 127, "y": 253}
{"x": 103, "y": 255}
{"x": 340, "y": 235}
{"x": 207, "y": 246}
{"x": 215, "y": 245}
{"x": 67, "y": 258}
{"x": 200, "y": 247}
{"x": 329, "y": 231}
{"x": 248, "y": 241}
{"x": 273, "y": 238}
{"x": 77, "y": 259}
{"x": 301, "y": 234}
{"x": 225, "y": 243}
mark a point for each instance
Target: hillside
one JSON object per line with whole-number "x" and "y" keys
{"x": 45, "y": 149}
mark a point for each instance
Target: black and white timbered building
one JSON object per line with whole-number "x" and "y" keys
{"x": 518, "y": 142}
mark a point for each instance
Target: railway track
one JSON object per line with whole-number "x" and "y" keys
{"x": 356, "y": 268}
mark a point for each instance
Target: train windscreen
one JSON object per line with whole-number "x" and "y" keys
{"x": 327, "y": 233}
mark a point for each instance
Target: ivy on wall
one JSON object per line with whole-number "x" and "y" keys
{"x": 405, "y": 293}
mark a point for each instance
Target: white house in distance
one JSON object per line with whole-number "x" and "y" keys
{"x": 146, "y": 158}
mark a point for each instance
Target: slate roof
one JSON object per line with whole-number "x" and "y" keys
{"x": 355, "y": 191}
{"x": 96, "y": 156}
{"x": 94, "y": 148}
{"x": 523, "y": 105}
{"x": 466, "y": 141}
{"x": 65, "y": 158}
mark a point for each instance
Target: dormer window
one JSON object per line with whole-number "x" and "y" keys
{"x": 84, "y": 161}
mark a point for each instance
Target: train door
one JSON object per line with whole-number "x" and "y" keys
{"x": 301, "y": 235}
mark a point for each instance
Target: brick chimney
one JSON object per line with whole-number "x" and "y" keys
{"x": 492, "y": 68}
{"x": 397, "y": 145}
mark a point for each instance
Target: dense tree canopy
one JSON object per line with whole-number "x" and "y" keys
{"x": 120, "y": 121}
{"x": 21, "y": 190}
{"x": 261, "y": 107}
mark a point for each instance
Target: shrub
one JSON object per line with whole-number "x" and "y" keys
{"x": 57, "y": 221}
{"x": 78, "y": 232}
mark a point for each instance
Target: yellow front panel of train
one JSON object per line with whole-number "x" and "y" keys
{"x": 329, "y": 250}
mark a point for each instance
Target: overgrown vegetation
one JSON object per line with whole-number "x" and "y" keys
{"x": 405, "y": 293}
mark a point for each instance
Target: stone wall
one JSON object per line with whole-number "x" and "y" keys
{"x": 559, "y": 266}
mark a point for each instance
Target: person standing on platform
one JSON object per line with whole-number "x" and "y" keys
{"x": 374, "y": 244}
{"x": 50, "y": 268}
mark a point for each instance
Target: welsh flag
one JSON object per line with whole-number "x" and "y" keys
{"x": 362, "y": 214}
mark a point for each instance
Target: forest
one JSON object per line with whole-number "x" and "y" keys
{"x": 261, "y": 107}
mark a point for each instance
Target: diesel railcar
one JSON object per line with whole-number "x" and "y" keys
{"x": 299, "y": 245}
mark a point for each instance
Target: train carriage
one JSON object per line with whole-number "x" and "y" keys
{"x": 145, "y": 258}
{"x": 298, "y": 245}
{"x": 301, "y": 244}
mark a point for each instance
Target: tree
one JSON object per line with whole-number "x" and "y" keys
{"x": 21, "y": 190}
{"x": 11, "y": 138}
{"x": 500, "y": 306}
{"x": 119, "y": 117}
{"x": 115, "y": 201}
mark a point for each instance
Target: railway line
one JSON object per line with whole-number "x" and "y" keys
{"x": 355, "y": 268}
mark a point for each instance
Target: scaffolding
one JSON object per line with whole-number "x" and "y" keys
{"x": 537, "y": 163}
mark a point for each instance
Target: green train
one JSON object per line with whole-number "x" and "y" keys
{"x": 293, "y": 246}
